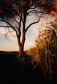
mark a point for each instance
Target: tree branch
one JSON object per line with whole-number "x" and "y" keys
{"x": 33, "y": 23}
{"x": 6, "y": 35}
{"x": 9, "y": 24}
{"x": 16, "y": 21}
{"x": 4, "y": 26}
{"x": 20, "y": 16}
{"x": 36, "y": 11}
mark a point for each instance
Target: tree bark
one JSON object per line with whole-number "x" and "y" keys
{"x": 21, "y": 44}
{"x": 20, "y": 50}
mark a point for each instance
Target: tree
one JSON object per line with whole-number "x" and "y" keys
{"x": 15, "y": 13}
{"x": 46, "y": 44}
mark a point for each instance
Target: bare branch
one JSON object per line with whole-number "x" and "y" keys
{"x": 5, "y": 26}
{"x": 16, "y": 21}
{"x": 34, "y": 11}
{"x": 20, "y": 16}
{"x": 6, "y": 35}
{"x": 8, "y": 24}
{"x": 33, "y": 23}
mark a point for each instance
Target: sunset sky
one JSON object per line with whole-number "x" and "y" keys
{"x": 11, "y": 43}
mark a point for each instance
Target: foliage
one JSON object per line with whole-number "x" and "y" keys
{"x": 15, "y": 7}
{"x": 54, "y": 24}
{"x": 46, "y": 50}
{"x": 34, "y": 54}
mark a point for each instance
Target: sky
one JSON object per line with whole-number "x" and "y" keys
{"x": 11, "y": 44}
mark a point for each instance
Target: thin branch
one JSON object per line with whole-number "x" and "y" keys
{"x": 33, "y": 23}
{"x": 9, "y": 24}
{"x": 5, "y": 26}
{"x": 35, "y": 11}
{"x": 20, "y": 16}
{"x": 8, "y": 32}
{"x": 16, "y": 21}
{"x": 6, "y": 35}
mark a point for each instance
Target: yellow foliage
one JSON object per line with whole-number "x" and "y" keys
{"x": 54, "y": 24}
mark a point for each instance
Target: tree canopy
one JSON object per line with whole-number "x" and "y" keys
{"x": 16, "y": 7}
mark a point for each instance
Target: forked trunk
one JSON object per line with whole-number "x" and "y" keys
{"x": 21, "y": 36}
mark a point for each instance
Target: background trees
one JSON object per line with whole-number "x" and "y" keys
{"x": 15, "y": 12}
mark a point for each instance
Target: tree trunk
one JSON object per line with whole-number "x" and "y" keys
{"x": 21, "y": 38}
{"x": 20, "y": 50}
{"x": 21, "y": 45}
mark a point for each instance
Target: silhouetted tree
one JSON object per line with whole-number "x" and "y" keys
{"x": 15, "y": 13}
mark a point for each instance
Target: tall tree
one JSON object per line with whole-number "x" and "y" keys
{"x": 15, "y": 13}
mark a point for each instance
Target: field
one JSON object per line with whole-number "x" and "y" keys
{"x": 14, "y": 72}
